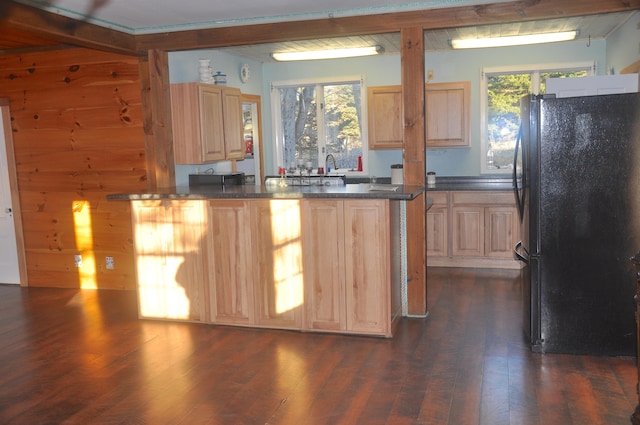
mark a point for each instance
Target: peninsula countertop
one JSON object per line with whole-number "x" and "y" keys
{"x": 471, "y": 184}
{"x": 348, "y": 191}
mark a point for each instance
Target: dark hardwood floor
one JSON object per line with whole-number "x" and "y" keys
{"x": 82, "y": 357}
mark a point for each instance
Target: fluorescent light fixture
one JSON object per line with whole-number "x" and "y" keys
{"x": 328, "y": 54}
{"x": 518, "y": 40}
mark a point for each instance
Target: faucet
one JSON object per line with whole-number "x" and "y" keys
{"x": 326, "y": 162}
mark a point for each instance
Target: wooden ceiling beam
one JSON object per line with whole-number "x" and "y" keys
{"x": 65, "y": 30}
{"x": 74, "y": 32}
{"x": 518, "y": 11}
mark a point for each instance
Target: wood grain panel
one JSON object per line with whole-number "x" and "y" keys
{"x": 76, "y": 141}
{"x": 157, "y": 119}
{"x": 109, "y": 181}
{"x": 414, "y": 165}
{"x": 112, "y": 139}
{"x": 68, "y": 117}
{"x": 62, "y": 59}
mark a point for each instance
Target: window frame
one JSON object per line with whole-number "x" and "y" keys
{"x": 276, "y": 119}
{"x": 535, "y": 70}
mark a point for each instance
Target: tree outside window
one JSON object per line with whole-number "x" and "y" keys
{"x": 320, "y": 119}
{"x": 504, "y": 90}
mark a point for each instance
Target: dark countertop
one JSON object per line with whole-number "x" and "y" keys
{"x": 349, "y": 191}
{"x": 471, "y": 183}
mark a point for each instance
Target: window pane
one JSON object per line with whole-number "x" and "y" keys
{"x": 299, "y": 124}
{"x": 342, "y": 125}
{"x": 505, "y": 92}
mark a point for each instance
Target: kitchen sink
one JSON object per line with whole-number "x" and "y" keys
{"x": 309, "y": 180}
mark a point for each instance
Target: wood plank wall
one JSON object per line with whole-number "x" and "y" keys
{"x": 76, "y": 117}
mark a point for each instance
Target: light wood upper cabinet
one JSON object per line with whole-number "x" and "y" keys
{"x": 447, "y": 109}
{"x": 386, "y": 129}
{"x": 207, "y": 123}
{"x": 229, "y": 262}
{"x": 169, "y": 261}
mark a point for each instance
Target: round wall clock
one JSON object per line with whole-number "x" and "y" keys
{"x": 245, "y": 73}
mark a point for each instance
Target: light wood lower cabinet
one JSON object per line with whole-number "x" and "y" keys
{"x": 347, "y": 267}
{"x": 324, "y": 268}
{"x": 467, "y": 226}
{"x": 367, "y": 266}
{"x": 501, "y": 231}
{"x": 277, "y": 264}
{"x": 481, "y": 229}
{"x": 168, "y": 252}
{"x": 320, "y": 265}
{"x": 437, "y": 226}
{"x": 229, "y": 265}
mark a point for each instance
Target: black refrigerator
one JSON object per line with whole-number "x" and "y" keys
{"x": 577, "y": 187}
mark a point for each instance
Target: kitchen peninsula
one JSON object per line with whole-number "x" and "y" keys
{"x": 309, "y": 258}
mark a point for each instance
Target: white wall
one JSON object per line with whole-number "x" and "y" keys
{"x": 623, "y": 46}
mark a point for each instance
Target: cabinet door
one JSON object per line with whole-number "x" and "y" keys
{"x": 437, "y": 235}
{"x": 168, "y": 254}
{"x": 229, "y": 257}
{"x": 186, "y": 123}
{"x": 501, "y": 231}
{"x": 207, "y": 123}
{"x": 278, "y": 280}
{"x": 386, "y": 128}
{"x": 467, "y": 231}
{"x": 233, "y": 127}
{"x": 367, "y": 259}
{"x": 447, "y": 109}
{"x": 324, "y": 273}
{"x": 212, "y": 132}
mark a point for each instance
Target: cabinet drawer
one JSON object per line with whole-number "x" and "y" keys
{"x": 488, "y": 198}
{"x": 438, "y": 198}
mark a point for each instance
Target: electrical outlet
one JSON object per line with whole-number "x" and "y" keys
{"x": 109, "y": 263}
{"x": 429, "y": 74}
{"x": 77, "y": 260}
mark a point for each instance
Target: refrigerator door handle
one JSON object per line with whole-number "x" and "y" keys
{"x": 524, "y": 257}
{"x": 519, "y": 190}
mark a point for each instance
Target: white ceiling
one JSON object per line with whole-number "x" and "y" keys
{"x": 590, "y": 28}
{"x": 154, "y": 16}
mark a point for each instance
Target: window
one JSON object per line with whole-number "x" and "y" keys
{"x": 503, "y": 88}
{"x": 315, "y": 119}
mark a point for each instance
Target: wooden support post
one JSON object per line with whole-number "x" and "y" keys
{"x": 156, "y": 101}
{"x": 414, "y": 165}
